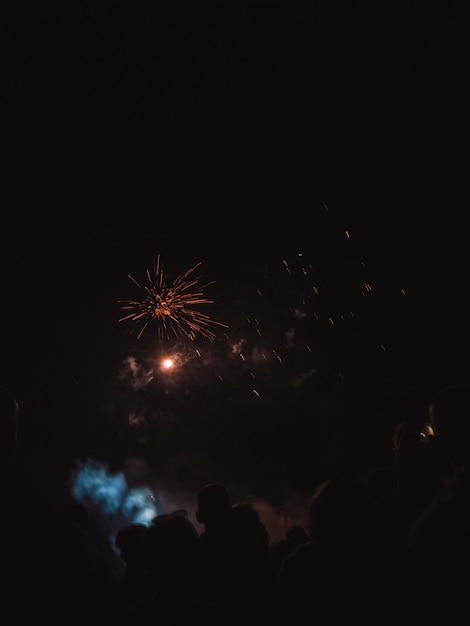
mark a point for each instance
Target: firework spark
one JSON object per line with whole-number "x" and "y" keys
{"x": 171, "y": 307}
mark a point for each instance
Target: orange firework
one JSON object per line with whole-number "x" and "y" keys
{"x": 171, "y": 307}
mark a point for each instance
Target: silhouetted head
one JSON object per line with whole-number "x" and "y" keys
{"x": 297, "y": 534}
{"x": 247, "y": 519}
{"x": 8, "y": 427}
{"x": 213, "y": 505}
{"x": 130, "y": 541}
{"x": 171, "y": 549}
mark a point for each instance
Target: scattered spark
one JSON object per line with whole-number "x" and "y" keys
{"x": 171, "y": 307}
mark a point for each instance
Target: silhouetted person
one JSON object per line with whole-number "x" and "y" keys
{"x": 38, "y": 559}
{"x": 295, "y": 535}
{"x": 259, "y": 568}
{"x": 130, "y": 541}
{"x": 392, "y": 584}
{"x": 416, "y": 468}
{"x": 381, "y": 490}
{"x": 247, "y": 519}
{"x": 233, "y": 578}
{"x": 439, "y": 538}
{"x": 172, "y": 561}
{"x": 134, "y": 583}
{"x": 328, "y": 577}
{"x": 218, "y": 543}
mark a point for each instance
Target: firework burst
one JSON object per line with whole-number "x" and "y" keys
{"x": 171, "y": 308}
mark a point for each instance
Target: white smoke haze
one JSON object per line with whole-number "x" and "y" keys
{"x": 135, "y": 374}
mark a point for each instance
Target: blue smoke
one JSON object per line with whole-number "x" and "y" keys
{"x": 110, "y": 501}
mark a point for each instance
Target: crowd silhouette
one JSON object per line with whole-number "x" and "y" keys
{"x": 393, "y": 547}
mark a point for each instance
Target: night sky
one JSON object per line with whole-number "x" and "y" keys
{"x": 310, "y": 159}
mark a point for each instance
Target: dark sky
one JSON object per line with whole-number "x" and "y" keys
{"x": 239, "y": 137}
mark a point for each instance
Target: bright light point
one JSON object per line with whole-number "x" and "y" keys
{"x": 167, "y": 364}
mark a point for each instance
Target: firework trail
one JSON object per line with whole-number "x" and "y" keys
{"x": 171, "y": 307}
